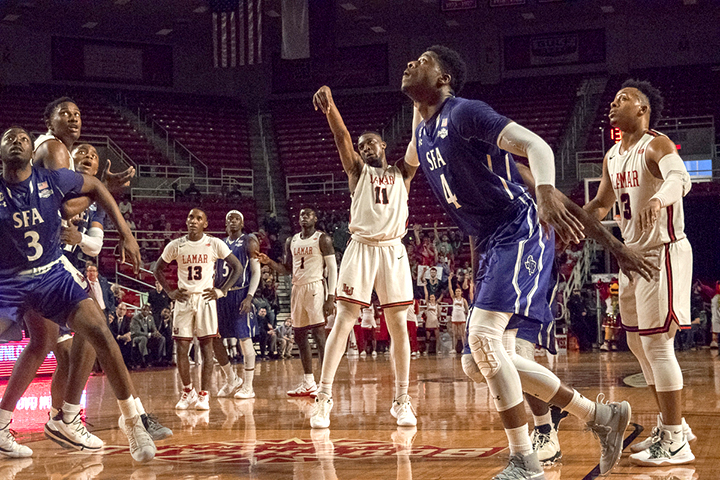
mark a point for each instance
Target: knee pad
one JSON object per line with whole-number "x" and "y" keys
{"x": 660, "y": 352}
{"x": 248, "y": 351}
{"x": 636, "y": 347}
{"x": 525, "y": 349}
{"x": 471, "y": 369}
{"x": 485, "y": 335}
{"x": 536, "y": 380}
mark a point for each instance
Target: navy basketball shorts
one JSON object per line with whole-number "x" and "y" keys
{"x": 54, "y": 294}
{"x": 232, "y": 323}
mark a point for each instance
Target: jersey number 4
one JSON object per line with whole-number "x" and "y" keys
{"x": 194, "y": 273}
{"x": 449, "y": 195}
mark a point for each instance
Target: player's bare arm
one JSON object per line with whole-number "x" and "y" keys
{"x": 52, "y": 155}
{"x": 96, "y": 191}
{"x": 409, "y": 165}
{"x": 604, "y": 199}
{"x": 114, "y": 182}
{"x": 328, "y": 253}
{"x": 178, "y": 295}
{"x": 284, "y": 268}
{"x": 664, "y": 163}
{"x": 629, "y": 261}
{"x": 235, "y": 272}
{"x": 253, "y": 248}
{"x": 351, "y": 161}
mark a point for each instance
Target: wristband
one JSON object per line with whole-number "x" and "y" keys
{"x": 219, "y": 293}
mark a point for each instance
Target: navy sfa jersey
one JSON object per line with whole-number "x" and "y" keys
{"x": 30, "y": 218}
{"x": 93, "y": 214}
{"x": 475, "y": 181}
{"x": 239, "y": 248}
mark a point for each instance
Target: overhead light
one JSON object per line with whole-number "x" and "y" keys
{"x": 273, "y": 14}
{"x": 164, "y": 31}
{"x": 607, "y": 9}
{"x": 122, "y": 2}
{"x": 90, "y": 25}
{"x": 200, "y": 9}
{"x": 378, "y": 29}
{"x": 10, "y": 17}
{"x": 452, "y": 23}
{"x": 528, "y": 16}
{"x": 348, "y": 6}
{"x": 690, "y": 2}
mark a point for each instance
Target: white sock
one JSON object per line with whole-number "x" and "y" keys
{"x": 249, "y": 376}
{"x": 325, "y": 388}
{"x": 70, "y": 411}
{"x": 519, "y": 440}
{"x": 581, "y": 407}
{"x": 309, "y": 379}
{"x": 139, "y": 407}
{"x": 229, "y": 372}
{"x": 128, "y": 408}
{"x": 5, "y": 418}
{"x": 53, "y": 412}
{"x": 674, "y": 433}
{"x": 545, "y": 419}
{"x": 401, "y": 388}
{"x": 188, "y": 387}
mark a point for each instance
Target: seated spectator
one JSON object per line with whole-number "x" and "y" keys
{"x": 120, "y": 328}
{"x": 129, "y": 221}
{"x": 158, "y": 300}
{"x": 267, "y": 335}
{"x": 147, "y": 342}
{"x": 125, "y": 206}
{"x": 268, "y": 292}
{"x": 165, "y": 327}
{"x": 118, "y": 293}
{"x": 193, "y": 191}
{"x": 286, "y": 339}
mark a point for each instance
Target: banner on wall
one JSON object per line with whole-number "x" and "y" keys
{"x": 506, "y": 3}
{"x": 451, "y": 5}
{"x": 564, "y": 48}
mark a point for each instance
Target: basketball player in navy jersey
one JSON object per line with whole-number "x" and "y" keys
{"x": 465, "y": 149}
{"x": 646, "y": 176}
{"x": 236, "y": 319}
{"x": 375, "y": 258}
{"x": 307, "y": 255}
{"x": 31, "y": 274}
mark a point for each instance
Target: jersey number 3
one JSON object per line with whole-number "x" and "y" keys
{"x": 197, "y": 273}
{"x": 34, "y": 243}
{"x": 625, "y": 200}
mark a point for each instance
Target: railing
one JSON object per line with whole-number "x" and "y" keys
{"x": 241, "y": 179}
{"x": 588, "y": 163}
{"x": 686, "y": 122}
{"x": 577, "y": 277}
{"x": 318, "y": 183}
{"x": 165, "y": 171}
{"x": 398, "y": 126}
{"x": 108, "y": 143}
{"x": 266, "y": 159}
{"x": 152, "y": 193}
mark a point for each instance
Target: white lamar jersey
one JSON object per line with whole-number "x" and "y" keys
{"x": 634, "y": 185}
{"x": 379, "y": 207}
{"x": 44, "y": 138}
{"x": 196, "y": 261}
{"x": 308, "y": 262}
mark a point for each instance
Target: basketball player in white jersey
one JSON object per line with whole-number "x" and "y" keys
{"x": 307, "y": 254}
{"x": 195, "y": 312}
{"x": 375, "y": 257}
{"x": 648, "y": 179}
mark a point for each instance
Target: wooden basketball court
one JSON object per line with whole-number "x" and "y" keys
{"x": 458, "y": 435}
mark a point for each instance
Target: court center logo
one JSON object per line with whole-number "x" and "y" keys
{"x": 530, "y": 264}
{"x": 297, "y": 450}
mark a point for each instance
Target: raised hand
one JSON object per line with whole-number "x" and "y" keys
{"x": 323, "y": 99}
{"x": 116, "y": 181}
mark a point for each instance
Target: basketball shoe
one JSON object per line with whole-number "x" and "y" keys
{"x": 403, "y": 410}
{"x": 203, "y": 401}
{"x": 320, "y": 417}
{"x": 229, "y": 389}
{"x": 546, "y": 445}
{"x": 522, "y": 467}
{"x": 142, "y": 447}
{"x": 73, "y": 434}
{"x": 665, "y": 452}
{"x": 245, "y": 392}
{"x": 655, "y": 433}
{"x": 611, "y": 420}
{"x": 304, "y": 390}
{"x": 9, "y": 447}
{"x": 188, "y": 399}
{"x": 156, "y": 430}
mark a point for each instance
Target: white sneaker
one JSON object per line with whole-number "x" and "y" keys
{"x": 142, "y": 447}
{"x": 304, "y": 390}
{"x": 229, "y": 389}
{"x": 713, "y": 344}
{"x": 363, "y": 354}
{"x": 611, "y": 420}
{"x": 403, "y": 410}
{"x": 664, "y": 452}
{"x": 655, "y": 433}
{"x": 320, "y": 417}
{"x": 374, "y": 354}
{"x": 203, "y": 401}
{"x": 9, "y": 447}
{"x": 547, "y": 446}
{"x": 73, "y": 434}
{"x": 245, "y": 392}
{"x": 188, "y": 399}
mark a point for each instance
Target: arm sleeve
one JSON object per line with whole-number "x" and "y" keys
{"x": 331, "y": 264}
{"x": 518, "y": 140}
{"x": 476, "y": 119}
{"x": 254, "y": 276}
{"x": 676, "y": 180}
{"x": 92, "y": 241}
{"x": 170, "y": 252}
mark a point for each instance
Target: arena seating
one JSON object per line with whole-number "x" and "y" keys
{"x": 215, "y": 130}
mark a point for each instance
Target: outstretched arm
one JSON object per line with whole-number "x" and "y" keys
{"x": 628, "y": 260}
{"x": 351, "y": 161}
{"x": 409, "y": 165}
{"x": 328, "y": 252}
{"x": 284, "y": 268}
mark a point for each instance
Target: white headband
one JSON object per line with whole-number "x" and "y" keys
{"x": 236, "y": 212}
